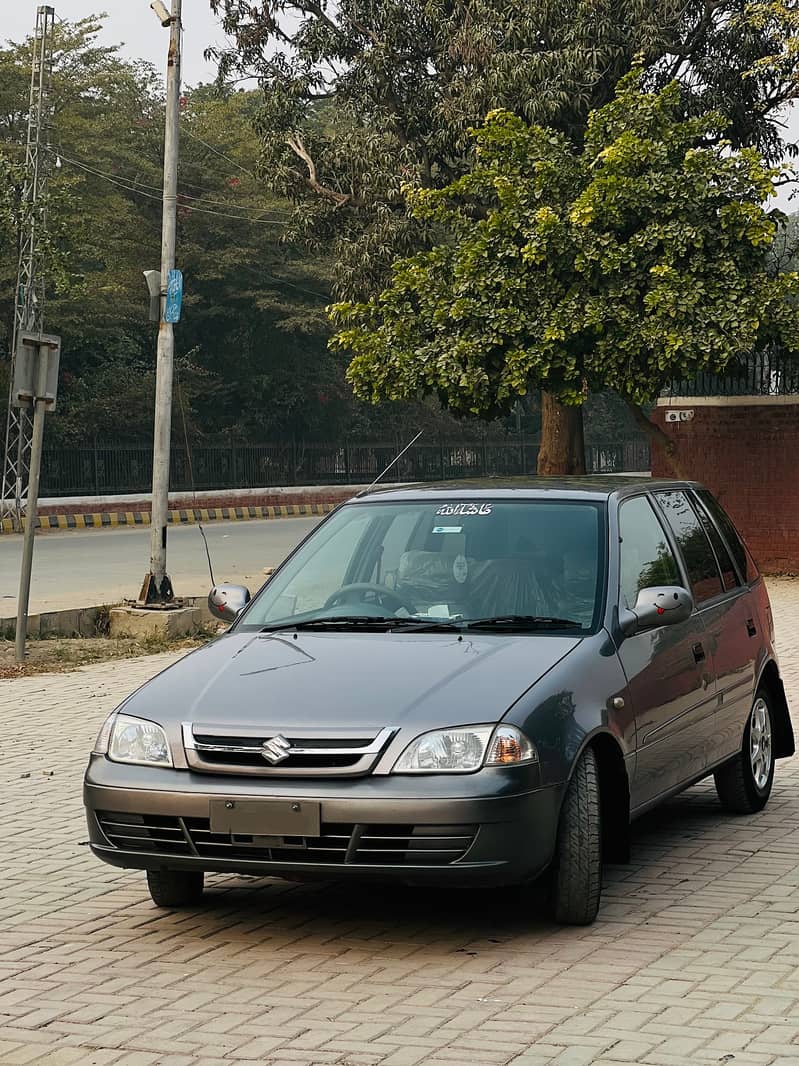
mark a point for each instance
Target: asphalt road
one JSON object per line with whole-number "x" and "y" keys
{"x": 82, "y": 569}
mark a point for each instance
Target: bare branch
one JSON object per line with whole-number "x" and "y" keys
{"x": 294, "y": 141}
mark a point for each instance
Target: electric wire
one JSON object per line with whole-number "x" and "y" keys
{"x": 122, "y": 184}
{"x": 244, "y": 218}
{"x": 216, "y": 151}
{"x": 156, "y": 188}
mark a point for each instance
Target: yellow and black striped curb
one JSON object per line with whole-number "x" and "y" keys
{"x": 184, "y": 516}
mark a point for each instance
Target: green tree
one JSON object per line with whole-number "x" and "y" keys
{"x": 362, "y": 97}
{"x": 622, "y": 262}
{"x": 251, "y": 349}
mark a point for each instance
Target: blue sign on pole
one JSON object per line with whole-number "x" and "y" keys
{"x": 174, "y": 296}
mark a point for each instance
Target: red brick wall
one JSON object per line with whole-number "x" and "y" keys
{"x": 748, "y": 456}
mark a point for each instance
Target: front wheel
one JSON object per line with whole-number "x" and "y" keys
{"x": 577, "y": 870}
{"x": 175, "y": 888}
{"x": 744, "y": 783}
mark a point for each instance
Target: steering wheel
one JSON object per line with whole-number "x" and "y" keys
{"x": 386, "y": 598}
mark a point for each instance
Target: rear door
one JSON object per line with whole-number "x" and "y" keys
{"x": 734, "y": 625}
{"x": 668, "y": 669}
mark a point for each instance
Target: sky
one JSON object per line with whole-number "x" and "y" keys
{"x": 130, "y": 24}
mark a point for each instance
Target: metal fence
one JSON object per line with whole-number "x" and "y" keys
{"x": 111, "y": 469}
{"x": 770, "y": 372}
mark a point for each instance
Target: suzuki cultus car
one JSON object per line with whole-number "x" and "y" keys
{"x": 457, "y": 684}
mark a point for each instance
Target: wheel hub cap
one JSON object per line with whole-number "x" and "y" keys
{"x": 760, "y": 743}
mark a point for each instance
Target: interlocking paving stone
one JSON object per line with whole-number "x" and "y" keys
{"x": 694, "y": 957}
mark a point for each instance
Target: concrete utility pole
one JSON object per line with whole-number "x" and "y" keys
{"x": 157, "y": 588}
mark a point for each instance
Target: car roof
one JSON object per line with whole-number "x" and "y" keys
{"x": 592, "y": 487}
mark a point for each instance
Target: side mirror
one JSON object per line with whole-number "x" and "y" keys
{"x": 228, "y": 601}
{"x": 661, "y": 606}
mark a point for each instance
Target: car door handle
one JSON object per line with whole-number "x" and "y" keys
{"x": 699, "y": 653}
{"x": 751, "y": 628}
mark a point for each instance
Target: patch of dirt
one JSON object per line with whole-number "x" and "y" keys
{"x": 59, "y": 655}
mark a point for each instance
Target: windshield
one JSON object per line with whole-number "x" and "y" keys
{"x": 454, "y": 562}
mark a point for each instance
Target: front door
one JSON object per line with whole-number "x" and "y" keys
{"x": 669, "y": 669}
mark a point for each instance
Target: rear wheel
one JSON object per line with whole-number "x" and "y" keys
{"x": 577, "y": 871}
{"x": 175, "y": 888}
{"x": 744, "y": 783}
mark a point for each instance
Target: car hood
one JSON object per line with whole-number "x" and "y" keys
{"x": 348, "y": 680}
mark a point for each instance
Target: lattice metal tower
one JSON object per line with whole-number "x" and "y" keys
{"x": 29, "y": 301}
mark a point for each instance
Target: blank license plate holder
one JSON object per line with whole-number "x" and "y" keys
{"x": 266, "y": 817}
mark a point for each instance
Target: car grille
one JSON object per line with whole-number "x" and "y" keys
{"x": 359, "y": 845}
{"x": 345, "y": 753}
{"x": 158, "y": 833}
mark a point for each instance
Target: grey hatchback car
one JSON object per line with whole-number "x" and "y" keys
{"x": 467, "y": 683}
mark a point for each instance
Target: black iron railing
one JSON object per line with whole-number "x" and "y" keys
{"x": 113, "y": 469}
{"x": 769, "y": 372}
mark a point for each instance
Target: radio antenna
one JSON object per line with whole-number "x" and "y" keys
{"x": 396, "y": 459}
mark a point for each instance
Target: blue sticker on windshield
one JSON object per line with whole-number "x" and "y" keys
{"x": 465, "y": 509}
{"x": 447, "y": 529}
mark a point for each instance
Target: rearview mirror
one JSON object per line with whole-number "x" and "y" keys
{"x": 661, "y": 606}
{"x": 228, "y": 601}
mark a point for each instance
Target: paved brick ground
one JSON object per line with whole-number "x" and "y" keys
{"x": 694, "y": 958}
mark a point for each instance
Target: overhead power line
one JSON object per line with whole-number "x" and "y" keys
{"x": 128, "y": 186}
{"x": 157, "y": 188}
{"x": 216, "y": 151}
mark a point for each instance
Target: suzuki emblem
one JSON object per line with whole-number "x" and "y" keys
{"x": 276, "y": 750}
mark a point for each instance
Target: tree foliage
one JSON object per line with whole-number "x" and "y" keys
{"x": 623, "y": 262}
{"x": 364, "y": 96}
{"x": 251, "y": 348}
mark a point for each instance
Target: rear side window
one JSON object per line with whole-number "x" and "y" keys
{"x": 645, "y": 557}
{"x": 746, "y": 565}
{"x": 700, "y": 562}
{"x": 729, "y": 578}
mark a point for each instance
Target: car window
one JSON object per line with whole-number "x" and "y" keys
{"x": 700, "y": 562}
{"x": 325, "y": 567}
{"x": 746, "y": 565}
{"x": 646, "y": 560}
{"x": 462, "y": 559}
{"x": 729, "y": 577}
{"x": 396, "y": 539}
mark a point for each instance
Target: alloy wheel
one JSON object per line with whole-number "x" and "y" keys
{"x": 760, "y": 742}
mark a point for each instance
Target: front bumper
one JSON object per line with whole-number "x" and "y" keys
{"x": 485, "y": 829}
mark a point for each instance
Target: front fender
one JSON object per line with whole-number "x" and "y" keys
{"x": 583, "y": 695}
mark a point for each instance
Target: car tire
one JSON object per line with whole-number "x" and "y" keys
{"x": 744, "y": 782}
{"x": 175, "y": 888}
{"x": 576, "y": 878}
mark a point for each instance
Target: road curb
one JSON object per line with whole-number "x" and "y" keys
{"x": 91, "y": 621}
{"x": 183, "y": 516}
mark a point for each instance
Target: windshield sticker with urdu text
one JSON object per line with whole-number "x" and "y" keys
{"x": 465, "y": 509}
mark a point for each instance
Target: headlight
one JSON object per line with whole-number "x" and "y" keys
{"x": 462, "y": 750}
{"x": 101, "y": 744}
{"x": 134, "y": 740}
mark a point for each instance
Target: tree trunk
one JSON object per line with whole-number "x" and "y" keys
{"x": 562, "y": 448}
{"x": 657, "y": 436}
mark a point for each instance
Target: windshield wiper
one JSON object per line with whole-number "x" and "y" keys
{"x": 419, "y": 625}
{"x": 521, "y": 621}
{"x": 331, "y": 621}
{"x": 415, "y": 625}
